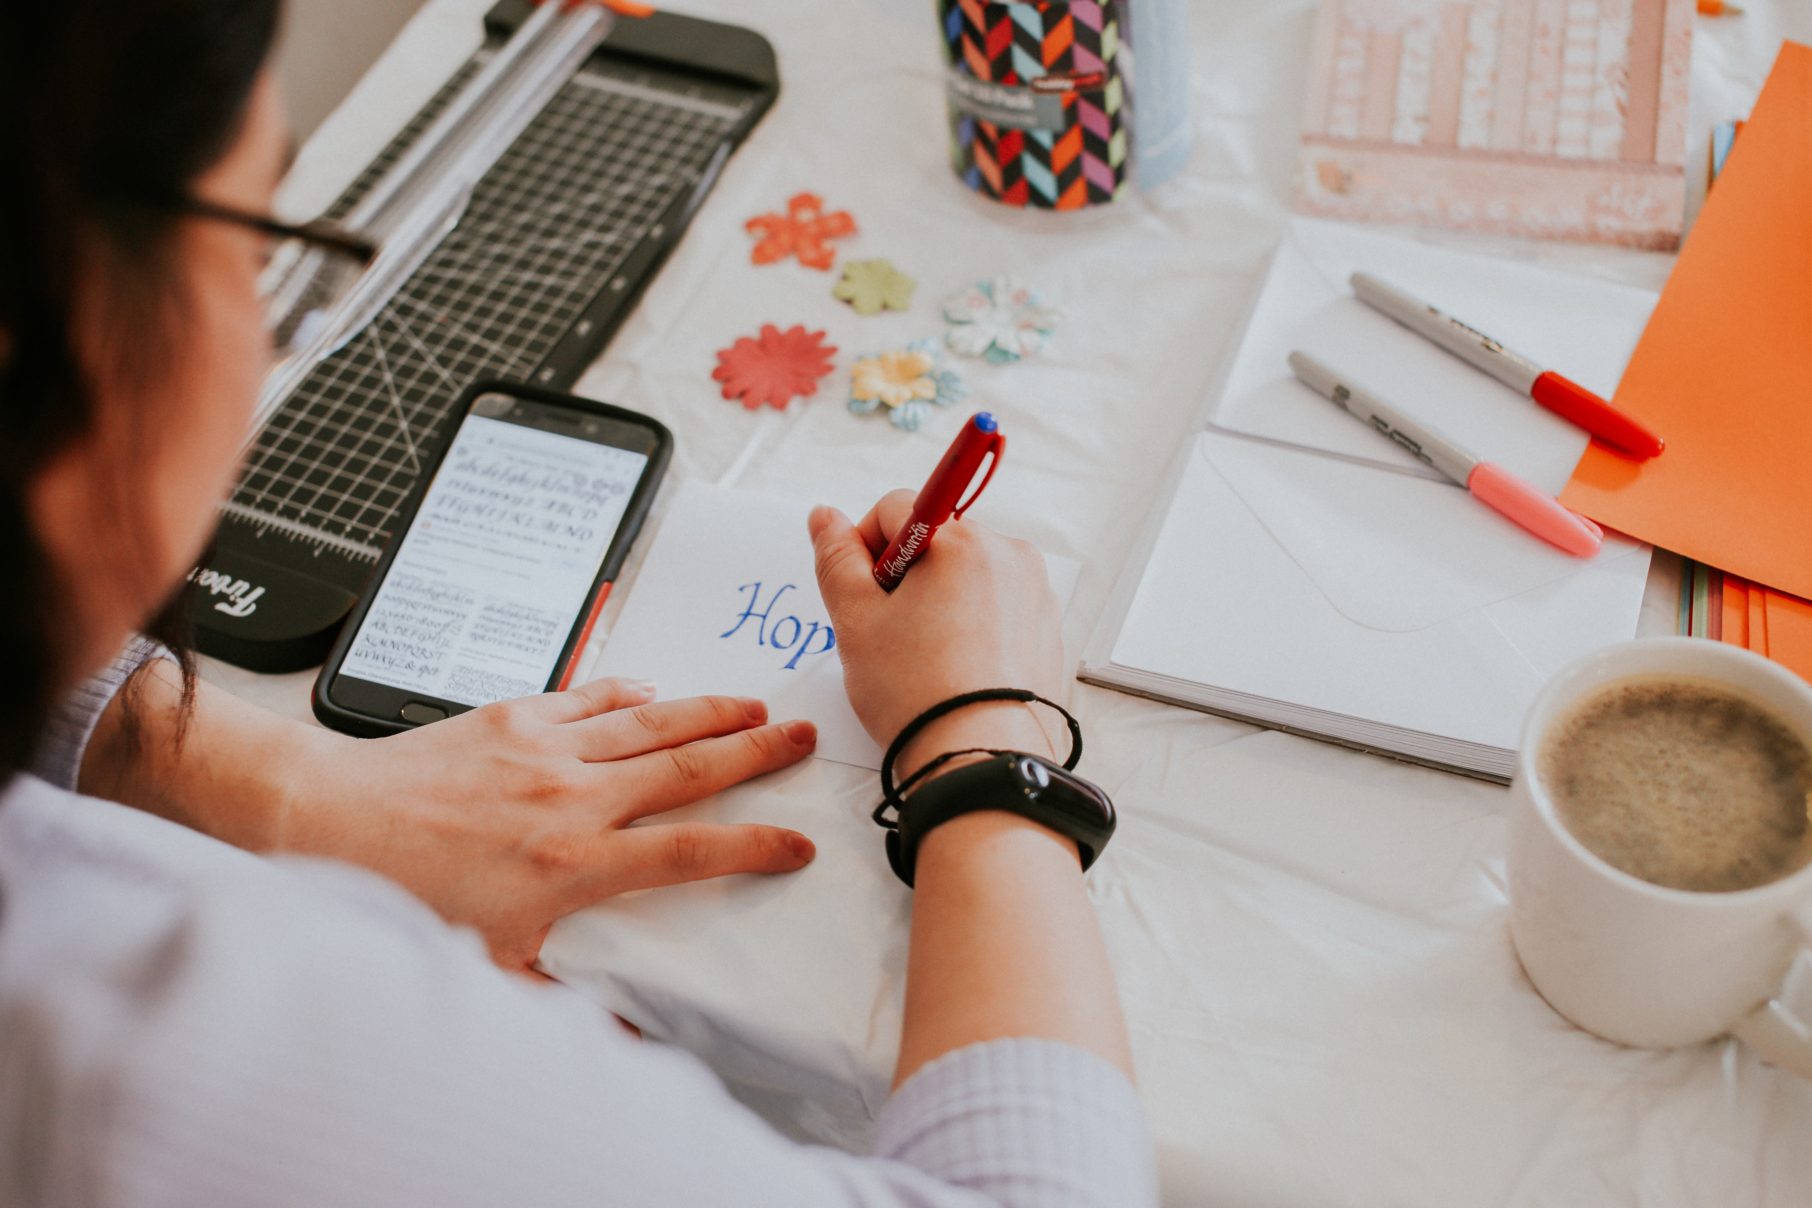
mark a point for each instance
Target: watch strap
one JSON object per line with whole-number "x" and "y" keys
{"x": 1013, "y": 782}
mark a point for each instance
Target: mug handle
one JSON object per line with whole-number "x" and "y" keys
{"x": 1780, "y": 1030}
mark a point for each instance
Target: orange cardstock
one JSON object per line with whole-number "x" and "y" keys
{"x": 1736, "y": 611}
{"x": 1724, "y": 370}
{"x": 1789, "y": 631}
{"x": 1758, "y": 620}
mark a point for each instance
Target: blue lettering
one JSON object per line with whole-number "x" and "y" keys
{"x": 805, "y": 644}
{"x": 804, "y": 639}
{"x": 749, "y": 613}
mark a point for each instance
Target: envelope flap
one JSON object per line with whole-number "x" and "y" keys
{"x": 1392, "y": 552}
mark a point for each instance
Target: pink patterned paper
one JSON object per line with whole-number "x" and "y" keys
{"x": 1554, "y": 119}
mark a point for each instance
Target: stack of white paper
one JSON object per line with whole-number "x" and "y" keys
{"x": 1311, "y": 576}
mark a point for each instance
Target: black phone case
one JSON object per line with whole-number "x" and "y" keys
{"x": 349, "y": 721}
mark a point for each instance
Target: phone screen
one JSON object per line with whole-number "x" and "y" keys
{"x": 484, "y": 590}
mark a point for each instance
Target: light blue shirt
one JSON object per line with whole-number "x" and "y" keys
{"x": 183, "y": 1024}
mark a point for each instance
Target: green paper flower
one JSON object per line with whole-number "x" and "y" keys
{"x": 872, "y": 286}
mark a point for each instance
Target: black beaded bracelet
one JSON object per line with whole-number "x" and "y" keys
{"x": 893, "y": 796}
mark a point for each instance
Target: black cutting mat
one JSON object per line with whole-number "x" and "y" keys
{"x": 557, "y": 241}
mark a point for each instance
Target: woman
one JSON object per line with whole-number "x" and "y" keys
{"x": 182, "y": 1022}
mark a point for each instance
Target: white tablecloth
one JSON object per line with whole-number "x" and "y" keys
{"x": 1311, "y": 943}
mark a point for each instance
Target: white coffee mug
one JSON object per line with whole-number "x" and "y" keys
{"x": 1643, "y": 964}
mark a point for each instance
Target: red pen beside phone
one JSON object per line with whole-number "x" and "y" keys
{"x": 942, "y": 499}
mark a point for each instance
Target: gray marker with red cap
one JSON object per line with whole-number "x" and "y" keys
{"x": 1564, "y": 397}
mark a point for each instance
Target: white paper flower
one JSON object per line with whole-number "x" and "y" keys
{"x": 1000, "y": 320}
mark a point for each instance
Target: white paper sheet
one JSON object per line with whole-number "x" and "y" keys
{"x": 727, "y": 603}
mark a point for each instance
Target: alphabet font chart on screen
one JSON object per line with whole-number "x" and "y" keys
{"x": 727, "y": 603}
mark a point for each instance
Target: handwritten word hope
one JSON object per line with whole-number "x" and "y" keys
{"x": 786, "y": 633}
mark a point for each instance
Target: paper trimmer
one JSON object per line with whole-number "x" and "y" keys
{"x": 522, "y": 211}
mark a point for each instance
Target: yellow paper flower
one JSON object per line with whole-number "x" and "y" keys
{"x": 894, "y": 378}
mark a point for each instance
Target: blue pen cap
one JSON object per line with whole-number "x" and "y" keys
{"x": 984, "y": 422}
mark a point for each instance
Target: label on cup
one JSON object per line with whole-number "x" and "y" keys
{"x": 1015, "y": 106}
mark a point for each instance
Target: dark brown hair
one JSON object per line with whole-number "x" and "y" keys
{"x": 108, "y": 114}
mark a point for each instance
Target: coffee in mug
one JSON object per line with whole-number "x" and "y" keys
{"x": 1659, "y": 869}
{"x": 1684, "y": 783}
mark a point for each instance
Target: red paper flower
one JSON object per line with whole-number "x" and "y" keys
{"x": 774, "y": 368}
{"x": 802, "y": 231}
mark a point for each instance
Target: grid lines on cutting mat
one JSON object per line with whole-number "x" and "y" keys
{"x": 546, "y": 229}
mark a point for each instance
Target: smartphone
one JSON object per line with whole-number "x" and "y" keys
{"x": 501, "y": 562}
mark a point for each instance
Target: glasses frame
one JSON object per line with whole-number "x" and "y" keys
{"x": 320, "y": 233}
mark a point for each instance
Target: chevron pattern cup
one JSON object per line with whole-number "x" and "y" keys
{"x": 1038, "y": 105}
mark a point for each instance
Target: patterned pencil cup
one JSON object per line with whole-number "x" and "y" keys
{"x": 1037, "y": 101}
{"x": 1041, "y": 97}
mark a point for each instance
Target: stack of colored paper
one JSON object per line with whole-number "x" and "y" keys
{"x": 1729, "y": 608}
{"x": 1769, "y": 622}
{"x": 1721, "y": 373}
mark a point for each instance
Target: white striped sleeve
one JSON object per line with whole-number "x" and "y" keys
{"x": 1025, "y": 1122}
{"x": 64, "y": 741}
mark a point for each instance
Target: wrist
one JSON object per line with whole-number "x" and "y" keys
{"x": 209, "y": 762}
{"x": 990, "y": 836}
{"x": 301, "y": 784}
{"x": 994, "y": 725}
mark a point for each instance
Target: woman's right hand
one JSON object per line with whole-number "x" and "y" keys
{"x": 1004, "y": 942}
{"x": 976, "y": 611}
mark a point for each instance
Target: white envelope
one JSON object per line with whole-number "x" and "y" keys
{"x": 1310, "y": 574}
{"x": 1223, "y": 605}
{"x": 1390, "y": 543}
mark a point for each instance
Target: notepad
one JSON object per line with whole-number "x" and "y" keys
{"x": 1540, "y": 118}
{"x": 727, "y": 602}
{"x": 1309, "y": 575}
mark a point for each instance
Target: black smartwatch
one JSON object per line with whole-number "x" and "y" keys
{"x": 1019, "y": 784}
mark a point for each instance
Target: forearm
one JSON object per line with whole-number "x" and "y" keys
{"x": 227, "y": 769}
{"x": 1004, "y": 940}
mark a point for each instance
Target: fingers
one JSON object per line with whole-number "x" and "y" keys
{"x": 675, "y": 776}
{"x": 844, "y": 564}
{"x": 587, "y": 700}
{"x": 626, "y": 733}
{"x": 884, "y": 519}
{"x": 653, "y": 856}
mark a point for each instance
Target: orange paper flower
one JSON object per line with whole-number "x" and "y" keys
{"x": 803, "y": 231}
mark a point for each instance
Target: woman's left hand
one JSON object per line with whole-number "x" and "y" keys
{"x": 505, "y": 819}
{"x": 512, "y": 816}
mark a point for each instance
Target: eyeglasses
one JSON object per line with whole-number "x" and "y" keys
{"x": 302, "y": 289}
{"x": 320, "y": 233}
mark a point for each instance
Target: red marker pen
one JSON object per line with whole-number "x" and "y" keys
{"x": 942, "y": 499}
{"x": 1564, "y": 397}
